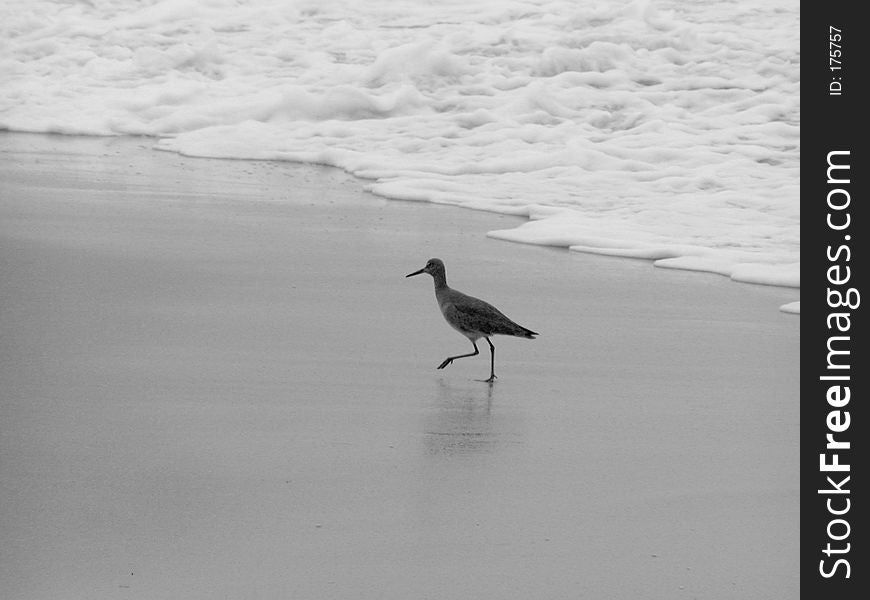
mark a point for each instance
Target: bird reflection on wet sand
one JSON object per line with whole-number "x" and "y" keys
{"x": 461, "y": 420}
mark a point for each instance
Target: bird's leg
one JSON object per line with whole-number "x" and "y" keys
{"x": 491, "y": 362}
{"x": 450, "y": 359}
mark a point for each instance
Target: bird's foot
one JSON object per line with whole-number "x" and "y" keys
{"x": 491, "y": 379}
{"x": 445, "y": 363}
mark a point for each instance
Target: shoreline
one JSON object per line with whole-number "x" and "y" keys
{"x": 218, "y": 381}
{"x": 506, "y": 235}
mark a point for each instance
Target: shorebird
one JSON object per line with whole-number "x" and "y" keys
{"x": 470, "y": 316}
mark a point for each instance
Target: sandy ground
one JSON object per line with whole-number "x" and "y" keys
{"x": 217, "y": 383}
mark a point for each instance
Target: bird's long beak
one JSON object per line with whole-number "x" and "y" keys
{"x": 416, "y": 272}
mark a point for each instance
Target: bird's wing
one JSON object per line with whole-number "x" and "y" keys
{"x": 473, "y": 314}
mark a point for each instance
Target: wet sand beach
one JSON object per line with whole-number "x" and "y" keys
{"x": 218, "y": 383}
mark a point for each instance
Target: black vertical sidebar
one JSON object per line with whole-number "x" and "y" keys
{"x": 834, "y": 263}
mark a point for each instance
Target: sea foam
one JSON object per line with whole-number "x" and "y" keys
{"x": 661, "y": 130}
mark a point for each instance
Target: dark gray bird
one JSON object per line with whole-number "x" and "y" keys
{"x": 470, "y": 316}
